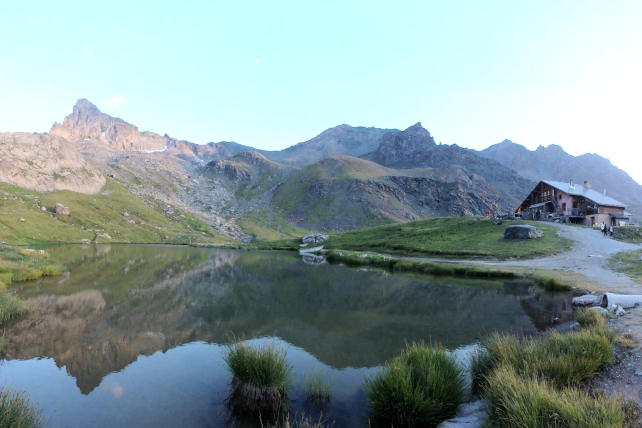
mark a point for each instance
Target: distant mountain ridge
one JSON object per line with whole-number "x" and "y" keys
{"x": 344, "y": 178}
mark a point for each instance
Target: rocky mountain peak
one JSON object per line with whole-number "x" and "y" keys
{"x": 403, "y": 147}
{"x": 87, "y": 123}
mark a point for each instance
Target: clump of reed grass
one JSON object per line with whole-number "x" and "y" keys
{"x": 10, "y": 307}
{"x": 518, "y": 400}
{"x": 421, "y": 387}
{"x": 261, "y": 376}
{"x": 590, "y": 318}
{"x": 317, "y": 388}
{"x": 563, "y": 359}
{"x": 300, "y": 421}
{"x": 17, "y": 411}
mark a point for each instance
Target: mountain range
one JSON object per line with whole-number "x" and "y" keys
{"x": 344, "y": 178}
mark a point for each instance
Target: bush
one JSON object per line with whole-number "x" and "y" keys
{"x": 17, "y": 411}
{"x": 564, "y": 359}
{"x": 421, "y": 387}
{"x": 524, "y": 401}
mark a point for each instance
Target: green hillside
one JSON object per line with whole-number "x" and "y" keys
{"x": 113, "y": 215}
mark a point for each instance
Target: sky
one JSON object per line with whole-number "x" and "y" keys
{"x": 272, "y": 74}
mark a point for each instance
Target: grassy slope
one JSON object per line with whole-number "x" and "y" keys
{"x": 450, "y": 236}
{"x": 630, "y": 234}
{"x": 22, "y": 221}
{"x": 628, "y": 262}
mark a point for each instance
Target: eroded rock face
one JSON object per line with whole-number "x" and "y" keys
{"x": 87, "y": 123}
{"x": 522, "y": 231}
{"x": 46, "y": 163}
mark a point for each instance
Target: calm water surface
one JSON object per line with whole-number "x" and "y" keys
{"x": 134, "y": 335}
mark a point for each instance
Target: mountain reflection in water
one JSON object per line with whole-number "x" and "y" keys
{"x": 104, "y": 323}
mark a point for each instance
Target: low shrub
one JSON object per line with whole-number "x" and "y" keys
{"x": 17, "y": 411}
{"x": 523, "y": 401}
{"x": 421, "y": 387}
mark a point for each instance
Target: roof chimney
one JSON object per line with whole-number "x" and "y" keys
{"x": 587, "y": 184}
{"x": 571, "y": 185}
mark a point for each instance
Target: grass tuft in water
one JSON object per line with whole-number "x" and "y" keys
{"x": 17, "y": 411}
{"x": 261, "y": 377}
{"x": 552, "y": 284}
{"x": 517, "y": 400}
{"x": 300, "y": 421}
{"x": 421, "y": 387}
{"x": 317, "y": 388}
{"x": 10, "y": 307}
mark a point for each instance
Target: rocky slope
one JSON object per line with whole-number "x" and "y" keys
{"x": 554, "y": 163}
{"x": 45, "y": 163}
{"x": 340, "y": 140}
{"x": 415, "y": 147}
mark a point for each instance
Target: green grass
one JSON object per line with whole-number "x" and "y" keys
{"x": 355, "y": 259}
{"x": 563, "y": 359}
{"x": 421, "y": 387}
{"x": 631, "y": 234}
{"x": 317, "y": 388}
{"x": 449, "y": 237}
{"x": 590, "y": 318}
{"x": 10, "y": 307}
{"x": 263, "y": 367}
{"x": 517, "y": 400}
{"x": 629, "y": 263}
{"x": 17, "y": 411}
{"x": 23, "y": 264}
{"x": 22, "y": 220}
{"x": 552, "y": 284}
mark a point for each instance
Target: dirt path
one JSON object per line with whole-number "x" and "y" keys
{"x": 589, "y": 256}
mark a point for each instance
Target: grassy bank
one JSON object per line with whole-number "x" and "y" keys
{"x": 113, "y": 215}
{"x": 629, "y": 263}
{"x": 450, "y": 237}
{"x": 17, "y": 411}
{"x": 397, "y": 264}
{"x": 23, "y": 264}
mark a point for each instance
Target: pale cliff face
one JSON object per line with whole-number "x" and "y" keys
{"x": 88, "y": 124}
{"x": 45, "y": 163}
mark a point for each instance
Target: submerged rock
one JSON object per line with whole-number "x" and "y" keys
{"x": 522, "y": 231}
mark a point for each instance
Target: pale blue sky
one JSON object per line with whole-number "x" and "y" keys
{"x": 271, "y": 74}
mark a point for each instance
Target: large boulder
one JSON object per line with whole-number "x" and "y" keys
{"x": 61, "y": 209}
{"x": 522, "y": 231}
{"x": 315, "y": 238}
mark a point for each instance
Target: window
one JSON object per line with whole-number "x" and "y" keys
{"x": 575, "y": 203}
{"x": 563, "y": 206}
{"x": 560, "y": 197}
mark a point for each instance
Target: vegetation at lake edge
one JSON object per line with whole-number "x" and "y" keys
{"x": 421, "y": 387}
{"x": 261, "y": 376}
{"x": 317, "y": 388}
{"x": 629, "y": 263}
{"x": 463, "y": 237}
{"x": 355, "y": 259}
{"x": 17, "y": 411}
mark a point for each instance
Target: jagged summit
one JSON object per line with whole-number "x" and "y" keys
{"x": 87, "y": 123}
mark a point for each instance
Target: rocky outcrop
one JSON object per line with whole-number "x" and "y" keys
{"x": 522, "y": 231}
{"x": 88, "y": 124}
{"x": 60, "y": 209}
{"x": 45, "y": 163}
{"x": 315, "y": 238}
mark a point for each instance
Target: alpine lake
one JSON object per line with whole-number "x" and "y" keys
{"x": 135, "y": 335}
